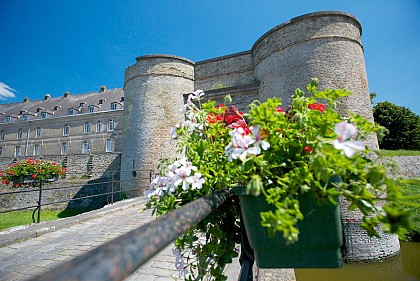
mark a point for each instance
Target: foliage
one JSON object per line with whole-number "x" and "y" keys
{"x": 403, "y": 126}
{"x": 372, "y": 96}
{"x": 30, "y": 172}
{"x": 275, "y": 153}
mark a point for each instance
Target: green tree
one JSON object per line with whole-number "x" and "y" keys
{"x": 402, "y": 123}
{"x": 372, "y": 96}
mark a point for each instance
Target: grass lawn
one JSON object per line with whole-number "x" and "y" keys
{"x": 16, "y": 218}
{"x": 411, "y": 201}
{"x": 399, "y": 152}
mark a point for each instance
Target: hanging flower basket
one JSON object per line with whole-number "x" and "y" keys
{"x": 287, "y": 159}
{"x": 31, "y": 172}
{"x": 320, "y": 234}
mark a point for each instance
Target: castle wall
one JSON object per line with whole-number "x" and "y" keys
{"x": 154, "y": 89}
{"x": 224, "y": 72}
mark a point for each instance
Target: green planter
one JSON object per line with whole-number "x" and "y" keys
{"x": 320, "y": 237}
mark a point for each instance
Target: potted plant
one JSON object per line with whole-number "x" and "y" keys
{"x": 291, "y": 160}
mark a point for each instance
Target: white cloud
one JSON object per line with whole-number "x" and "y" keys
{"x": 6, "y": 92}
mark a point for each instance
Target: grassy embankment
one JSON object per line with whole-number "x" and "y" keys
{"x": 411, "y": 195}
{"x": 17, "y": 218}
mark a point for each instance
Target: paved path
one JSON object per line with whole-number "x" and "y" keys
{"x": 28, "y": 251}
{"x": 67, "y": 238}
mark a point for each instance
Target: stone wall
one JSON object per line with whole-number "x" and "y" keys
{"x": 407, "y": 166}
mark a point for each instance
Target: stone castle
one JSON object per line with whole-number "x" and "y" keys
{"x": 326, "y": 45}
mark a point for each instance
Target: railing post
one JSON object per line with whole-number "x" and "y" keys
{"x": 246, "y": 258}
{"x": 39, "y": 200}
{"x": 112, "y": 187}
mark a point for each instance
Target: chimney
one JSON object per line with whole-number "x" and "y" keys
{"x": 102, "y": 89}
{"x": 26, "y": 99}
{"x": 67, "y": 94}
{"x": 47, "y": 97}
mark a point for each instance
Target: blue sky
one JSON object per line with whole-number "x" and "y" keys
{"x": 77, "y": 46}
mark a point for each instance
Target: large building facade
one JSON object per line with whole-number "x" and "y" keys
{"x": 64, "y": 126}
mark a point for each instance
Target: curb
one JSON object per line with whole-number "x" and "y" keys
{"x": 22, "y": 233}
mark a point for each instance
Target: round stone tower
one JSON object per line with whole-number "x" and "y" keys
{"x": 325, "y": 45}
{"x": 153, "y": 98}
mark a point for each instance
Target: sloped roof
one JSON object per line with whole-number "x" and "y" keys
{"x": 58, "y": 107}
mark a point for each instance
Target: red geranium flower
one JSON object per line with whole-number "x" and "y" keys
{"x": 308, "y": 149}
{"x": 34, "y": 176}
{"x": 317, "y": 106}
{"x": 213, "y": 118}
{"x": 279, "y": 109}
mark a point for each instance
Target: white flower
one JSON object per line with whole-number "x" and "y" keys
{"x": 196, "y": 181}
{"x": 258, "y": 139}
{"x": 181, "y": 177}
{"x": 180, "y": 264}
{"x": 195, "y": 96}
{"x": 186, "y": 163}
{"x": 344, "y": 131}
{"x": 173, "y": 130}
{"x": 240, "y": 146}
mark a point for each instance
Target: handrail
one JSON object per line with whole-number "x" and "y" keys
{"x": 120, "y": 257}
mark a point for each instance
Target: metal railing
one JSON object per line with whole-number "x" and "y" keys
{"x": 120, "y": 257}
{"x": 112, "y": 181}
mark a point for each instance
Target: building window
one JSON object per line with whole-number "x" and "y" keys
{"x": 36, "y": 149}
{"x": 86, "y": 147}
{"x": 113, "y": 105}
{"x": 2, "y": 135}
{"x": 87, "y": 127}
{"x": 17, "y": 150}
{"x": 1, "y": 150}
{"x": 71, "y": 111}
{"x": 44, "y": 115}
{"x": 109, "y": 145}
{"x": 8, "y": 119}
{"x": 111, "y": 125}
{"x": 25, "y": 117}
{"x": 64, "y": 148}
{"x": 99, "y": 126}
{"x": 91, "y": 108}
{"x": 19, "y": 134}
{"x": 38, "y": 132}
{"x": 66, "y": 130}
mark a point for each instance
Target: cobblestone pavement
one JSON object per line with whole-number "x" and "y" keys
{"x": 22, "y": 260}
{"x": 56, "y": 242}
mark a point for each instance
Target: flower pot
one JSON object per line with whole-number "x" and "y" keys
{"x": 320, "y": 238}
